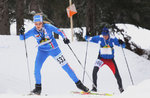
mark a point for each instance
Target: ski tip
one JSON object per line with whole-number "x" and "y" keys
{"x": 92, "y": 93}
{"x": 82, "y": 92}
{"x": 107, "y": 94}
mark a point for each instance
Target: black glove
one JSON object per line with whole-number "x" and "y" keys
{"x": 22, "y": 30}
{"x": 66, "y": 40}
{"x": 120, "y": 41}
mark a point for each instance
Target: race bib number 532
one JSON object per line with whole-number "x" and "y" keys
{"x": 61, "y": 60}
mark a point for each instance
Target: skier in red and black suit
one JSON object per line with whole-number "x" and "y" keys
{"x": 106, "y": 56}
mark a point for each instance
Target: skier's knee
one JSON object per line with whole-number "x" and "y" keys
{"x": 95, "y": 70}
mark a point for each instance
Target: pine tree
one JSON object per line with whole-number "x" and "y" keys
{"x": 19, "y": 14}
{"x": 90, "y": 16}
{"x": 4, "y": 18}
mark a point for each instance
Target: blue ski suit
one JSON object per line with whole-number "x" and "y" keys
{"x": 48, "y": 49}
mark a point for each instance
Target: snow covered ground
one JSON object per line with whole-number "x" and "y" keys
{"x": 55, "y": 82}
{"x": 14, "y": 80}
{"x": 139, "y": 36}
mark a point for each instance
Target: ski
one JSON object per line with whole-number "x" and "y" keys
{"x": 35, "y": 95}
{"x": 32, "y": 94}
{"x": 91, "y": 93}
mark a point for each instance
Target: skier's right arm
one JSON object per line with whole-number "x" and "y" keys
{"x": 26, "y": 35}
{"x": 94, "y": 39}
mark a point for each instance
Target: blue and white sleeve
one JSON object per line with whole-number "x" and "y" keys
{"x": 94, "y": 39}
{"x": 115, "y": 40}
{"x": 58, "y": 31}
{"x": 26, "y": 35}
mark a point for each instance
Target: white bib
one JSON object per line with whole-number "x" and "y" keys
{"x": 106, "y": 51}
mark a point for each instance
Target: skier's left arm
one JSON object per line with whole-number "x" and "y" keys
{"x": 58, "y": 31}
{"x": 61, "y": 33}
{"x": 119, "y": 42}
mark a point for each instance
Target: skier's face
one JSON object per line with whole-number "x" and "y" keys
{"x": 106, "y": 37}
{"x": 38, "y": 25}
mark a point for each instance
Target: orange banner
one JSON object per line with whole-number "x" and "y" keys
{"x": 71, "y": 10}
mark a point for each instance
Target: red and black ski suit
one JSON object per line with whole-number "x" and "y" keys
{"x": 112, "y": 65}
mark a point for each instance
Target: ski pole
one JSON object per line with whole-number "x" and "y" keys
{"x": 27, "y": 62}
{"x": 81, "y": 65}
{"x": 85, "y": 61}
{"x": 127, "y": 64}
{"x": 128, "y": 67}
{"x": 75, "y": 56}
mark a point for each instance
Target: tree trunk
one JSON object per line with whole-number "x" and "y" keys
{"x": 35, "y": 6}
{"x": 19, "y": 14}
{"x": 90, "y": 16}
{"x": 4, "y": 18}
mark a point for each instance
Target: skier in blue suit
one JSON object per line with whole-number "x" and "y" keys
{"x": 106, "y": 56}
{"x": 42, "y": 32}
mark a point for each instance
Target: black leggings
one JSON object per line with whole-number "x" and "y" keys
{"x": 117, "y": 75}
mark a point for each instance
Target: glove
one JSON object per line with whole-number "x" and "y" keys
{"x": 120, "y": 41}
{"x": 66, "y": 40}
{"x": 22, "y": 30}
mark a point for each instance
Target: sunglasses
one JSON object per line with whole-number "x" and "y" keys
{"x": 38, "y": 24}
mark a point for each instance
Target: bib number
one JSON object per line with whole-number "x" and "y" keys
{"x": 106, "y": 51}
{"x": 61, "y": 60}
{"x": 99, "y": 63}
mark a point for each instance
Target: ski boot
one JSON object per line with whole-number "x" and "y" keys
{"x": 37, "y": 90}
{"x": 94, "y": 89}
{"x": 81, "y": 86}
{"x": 121, "y": 89}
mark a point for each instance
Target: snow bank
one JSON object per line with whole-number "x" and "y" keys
{"x": 138, "y": 91}
{"x": 139, "y": 35}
